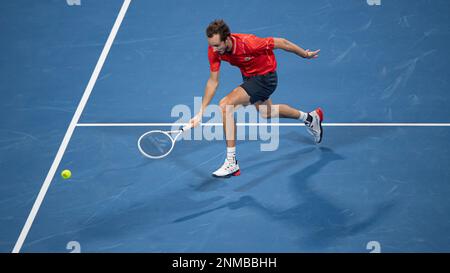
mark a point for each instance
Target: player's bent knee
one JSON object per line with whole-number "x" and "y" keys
{"x": 223, "y": 104}
{"x": 226, "y": 106}
{"x": 264, "y": 111}
{"x": 265, "y": 115}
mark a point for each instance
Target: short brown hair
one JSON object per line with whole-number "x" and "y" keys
{"x": 218, "y": 27}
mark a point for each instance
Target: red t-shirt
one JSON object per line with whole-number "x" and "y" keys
{"x": 253, "y": 55}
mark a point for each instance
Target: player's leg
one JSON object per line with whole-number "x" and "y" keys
{"x": 312, "y": 120}
{"x": 228, "y": 105}
{"x": 268, "y": 110}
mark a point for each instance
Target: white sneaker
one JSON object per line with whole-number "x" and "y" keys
{"x": 315, "y": 126}
{"x": 228, "y": 169}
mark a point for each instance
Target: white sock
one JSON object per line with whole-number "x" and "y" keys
{"x": 231, "y": 154}
{"x": 303, "y": 116}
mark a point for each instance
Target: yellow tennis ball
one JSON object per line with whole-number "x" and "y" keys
{"x": 66, "y": 174}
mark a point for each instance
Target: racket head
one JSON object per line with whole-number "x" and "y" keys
{"x": 156, "y": 144}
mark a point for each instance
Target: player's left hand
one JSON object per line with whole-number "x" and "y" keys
{"x": 312, "y": 54}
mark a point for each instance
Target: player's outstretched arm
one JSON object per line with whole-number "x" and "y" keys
{"x": 210, "y": 90}
{"x": 281, "y": 43}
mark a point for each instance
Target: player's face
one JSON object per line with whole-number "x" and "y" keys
{"x": 217, "y": 45}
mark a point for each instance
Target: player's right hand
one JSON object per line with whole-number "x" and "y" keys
{"x": 196, "y": 120}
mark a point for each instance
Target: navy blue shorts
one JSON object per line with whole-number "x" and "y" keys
{"x": 260, "y": 87}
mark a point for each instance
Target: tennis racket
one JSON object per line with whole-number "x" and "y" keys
{"x": 157, "y": 144}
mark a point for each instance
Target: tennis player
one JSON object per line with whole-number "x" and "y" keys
{"x": 255, "y": 58}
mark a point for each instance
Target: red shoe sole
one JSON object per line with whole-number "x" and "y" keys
{"x": 237, "y": 173}
{"x": 320, "y": 113}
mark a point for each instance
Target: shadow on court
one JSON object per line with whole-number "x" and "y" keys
{"x": 317, "y": 221}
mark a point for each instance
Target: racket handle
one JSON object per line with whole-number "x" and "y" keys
{"x": 186, "y": 127}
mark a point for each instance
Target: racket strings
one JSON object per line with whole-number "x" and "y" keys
{"x": 156, "y": 144}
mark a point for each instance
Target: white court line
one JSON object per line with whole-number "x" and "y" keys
{"x": 73, "y": 123}
{"x": 387, "y": 124}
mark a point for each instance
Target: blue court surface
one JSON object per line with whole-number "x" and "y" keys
{"x": 82, "y": 80}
